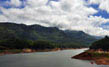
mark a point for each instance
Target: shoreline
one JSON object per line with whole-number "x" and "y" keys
{"x": 98, "y": 58}
{"x": 16, "y": 51}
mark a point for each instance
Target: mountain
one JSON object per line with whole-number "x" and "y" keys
{"x": 37, "y": 32}
{"x": 81, "y": 37}
{"x": 101, "y": 44}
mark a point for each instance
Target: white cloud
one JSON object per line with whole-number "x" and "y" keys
{"x": 103, "y": 4}
{"x": 15, "y": 2}
{"x": 65, "y": 14}
{"x": 12, "y": 3}
{"x": 3, "y": 18}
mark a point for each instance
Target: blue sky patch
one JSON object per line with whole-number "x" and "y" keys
{"x": 100, "y": 12}
{"x": 103, "y": 14}
{"x": 95, "y": 6}
{"x": 4, "y": 5}
{"x": 105, "y": 26}
{"x": 4, "y": 0}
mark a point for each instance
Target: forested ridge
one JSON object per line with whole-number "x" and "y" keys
{"x": 102, "y": 44}
{"x": 19, "y": 36}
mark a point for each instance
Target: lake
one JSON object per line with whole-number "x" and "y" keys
{"x": 46, "y": 59}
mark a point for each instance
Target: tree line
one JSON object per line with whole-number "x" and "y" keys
{"x": 38, "y": 44}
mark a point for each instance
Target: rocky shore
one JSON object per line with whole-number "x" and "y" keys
{"x": 98, "y": 58}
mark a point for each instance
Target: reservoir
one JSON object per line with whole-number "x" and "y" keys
{"x": 46, "y": 59}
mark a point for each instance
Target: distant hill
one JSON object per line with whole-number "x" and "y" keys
{"x": 37, "y": 32}
{"x": 101, "y": 44}
{"x": 80, "y": 36}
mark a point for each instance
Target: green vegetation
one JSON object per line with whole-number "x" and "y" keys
{"x": 21, "y": 44}
{"x": 1, "y": 51}
{"x": 97, "y": 54}
{"x": 39, "y": 44}
{"x": 19, "y": 36}
{"x": 102, "y": 44}
{"x": 50, "y": 34}
{"x": 42, "y": 45}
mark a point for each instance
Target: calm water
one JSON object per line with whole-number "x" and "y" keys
{"x": 45, "y": 59}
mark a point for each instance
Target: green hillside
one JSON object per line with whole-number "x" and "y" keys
{"x": 101, "y": 44}
{"x": 39, "y": 33}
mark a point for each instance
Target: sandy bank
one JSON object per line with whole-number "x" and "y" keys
{"x": 98, "y": 58}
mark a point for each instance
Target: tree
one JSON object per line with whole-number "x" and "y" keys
{"x": 101, "y": 44}
{"x": 43, "y": 45}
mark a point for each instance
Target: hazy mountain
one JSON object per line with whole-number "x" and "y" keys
{"x": 37, "y": 32}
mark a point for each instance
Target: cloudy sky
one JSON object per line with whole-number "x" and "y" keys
{"x": 90, "y": 16}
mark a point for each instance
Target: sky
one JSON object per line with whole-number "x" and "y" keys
{"x": 90, "y": 16}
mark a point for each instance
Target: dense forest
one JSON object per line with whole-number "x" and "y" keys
{"x": 39, "y": 44}
{"x": 102, "y": 44}
{"x": 20, "y": 36}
